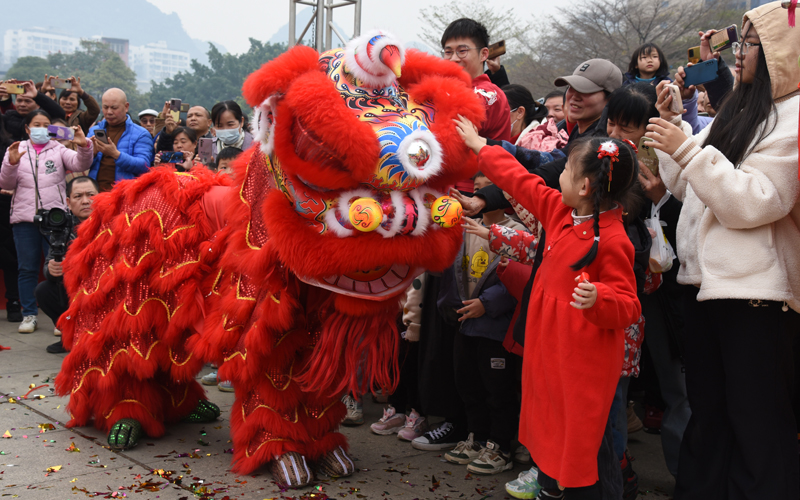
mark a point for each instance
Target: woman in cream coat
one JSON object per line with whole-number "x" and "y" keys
{"x": 739, "y": 245}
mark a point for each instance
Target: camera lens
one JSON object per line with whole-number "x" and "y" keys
{"x": 57, "y": 217}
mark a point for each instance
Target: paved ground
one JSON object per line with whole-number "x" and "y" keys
{"x": 192, "y": 461}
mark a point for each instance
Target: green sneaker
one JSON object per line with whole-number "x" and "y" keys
{"x": 525, "y": 485}
{"x": 125, "y": 434}
{"x": 205, "y": 411}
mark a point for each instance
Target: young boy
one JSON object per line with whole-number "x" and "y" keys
{"x": 473, "y": 299}
{"x": 466, "y": 43}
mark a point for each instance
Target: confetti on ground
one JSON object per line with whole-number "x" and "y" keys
{"x": 54, "y": 468}
{"x": 73, "y": 448}
{"x": 7, "y": 435}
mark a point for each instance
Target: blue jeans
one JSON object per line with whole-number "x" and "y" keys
{"x": 31, "y": 247}
{"x": 619, "y": 417}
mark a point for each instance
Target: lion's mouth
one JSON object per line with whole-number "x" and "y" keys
{"x": 374, "y": 284}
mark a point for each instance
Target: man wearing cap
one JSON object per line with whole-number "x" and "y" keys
{"x": 587, "y": 94}
{"x": 147, "y": 119}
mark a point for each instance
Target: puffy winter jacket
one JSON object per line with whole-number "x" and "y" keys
{"x": 48, "y": 170}
{"x": 135, "y": 148}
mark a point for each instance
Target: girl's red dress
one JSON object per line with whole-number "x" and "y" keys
{"x": 572, "y": 357}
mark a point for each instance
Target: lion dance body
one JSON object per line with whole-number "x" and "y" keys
{"x": 268, "y": 277}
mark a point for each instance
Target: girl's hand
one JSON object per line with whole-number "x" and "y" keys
{"x": 473, "y": 308}
{"x": 14, "y": 154}
{"x": 470, "y": 206}
{"x": 157, "y": 159}
{"x": 469, "y": 134}
{"x": 503, "y": 261}
{"x": 46, "y": 85}
{"x": 80, "y": 137}
{"x": 585, "y": 295}
{"x": 652, "y": 185}
{"x": 705, "y": 46}
{"x": 473, "y": 227}
{"x": 666, "y": 136}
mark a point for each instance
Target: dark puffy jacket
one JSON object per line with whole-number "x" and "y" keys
{"x": 136, "y": 151}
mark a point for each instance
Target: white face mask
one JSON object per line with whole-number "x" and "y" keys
{"x": 39, "y": 135}
{"x": 229, "y": 136}
{"x": 515, "y": 121}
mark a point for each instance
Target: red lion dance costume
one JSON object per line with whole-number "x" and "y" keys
{"x": 269, "y": 278}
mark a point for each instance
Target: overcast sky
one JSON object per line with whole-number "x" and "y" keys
{"x": 232, "y": 22}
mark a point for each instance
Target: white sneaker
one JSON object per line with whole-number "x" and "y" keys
{"x": 210, "y": 378}
{"x": 28, "y": 325}
{"x": 56, "y": 332}
{"x": 465, "y": 451}
{"x": 522, "y": 455}
{"x": 491, "y": 460}
{"x": 525, "y": 486}
{"x": 355, "y": 413}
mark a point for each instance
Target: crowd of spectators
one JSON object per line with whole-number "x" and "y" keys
{"x": 708, "y": 216}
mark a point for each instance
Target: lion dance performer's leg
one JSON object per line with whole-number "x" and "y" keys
{"x": 134, "y": 277}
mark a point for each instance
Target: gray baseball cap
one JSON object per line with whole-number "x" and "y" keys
{"x": 592, "y": 76}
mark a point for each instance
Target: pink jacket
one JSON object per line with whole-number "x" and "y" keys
{"x": 53, "y": 163}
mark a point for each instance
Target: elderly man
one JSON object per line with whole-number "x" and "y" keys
{"x": 198, "y": 119}
{"x": 126, "y": 151}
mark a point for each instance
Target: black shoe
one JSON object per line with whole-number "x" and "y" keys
{"x": 56, "y": 348}
{"x": 14, "y": 312}
{"x": 630, "y": 480}
{"x": 445, "y": 437}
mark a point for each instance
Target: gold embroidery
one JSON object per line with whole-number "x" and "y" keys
{"x": 170, "y": 314}
{"x": 107, "y": 415}
{"x": 160, "y": 222}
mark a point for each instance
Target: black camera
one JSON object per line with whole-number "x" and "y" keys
{"x": 56, "y": 224}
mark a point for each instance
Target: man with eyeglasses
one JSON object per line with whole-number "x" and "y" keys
{"x": 466, "y": 43}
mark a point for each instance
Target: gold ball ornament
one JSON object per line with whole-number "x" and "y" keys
{"x": 365, "y": 214}
{"x": 446, "y": 211}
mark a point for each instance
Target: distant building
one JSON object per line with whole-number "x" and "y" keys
{"x": 37, "y": 42}
{"x": 156, "y": 62}
{"x": 118, "y": 45}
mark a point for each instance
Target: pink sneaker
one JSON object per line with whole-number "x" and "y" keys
{"x": 416, "y": 426}
{"x": 391, "y": 422}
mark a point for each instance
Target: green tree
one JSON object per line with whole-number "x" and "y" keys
{"x": 222, "y": 80}
{"x": 29, "y": 68}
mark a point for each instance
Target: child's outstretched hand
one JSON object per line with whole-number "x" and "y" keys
{"x": 469, "y": 134}
{"x": 585, "y": 294}
{"x": 471, "y": 226}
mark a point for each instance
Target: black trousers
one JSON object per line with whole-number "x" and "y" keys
{"x": 487, "y": 384}
{"x": 8, "y": 251}
{"x": 52, "y": 299}
{"x": 406, "y": 397}
{"x": 741, "y": 441}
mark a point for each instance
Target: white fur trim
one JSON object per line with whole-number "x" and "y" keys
{"x": 433, "y": 166}
{"x": 371, "y": 71}
{"x": 423, "y": 214}
{"x": 266, "y": 131}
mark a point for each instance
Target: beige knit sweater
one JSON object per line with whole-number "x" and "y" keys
{"x": 739, "y": 229}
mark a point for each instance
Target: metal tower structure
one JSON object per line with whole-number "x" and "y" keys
{"x": 323, "y": 17}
